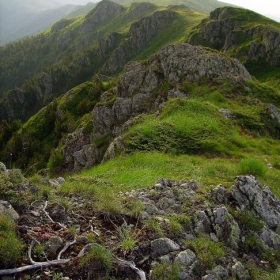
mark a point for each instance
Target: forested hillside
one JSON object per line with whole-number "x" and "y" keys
{"x": 75, "y": 49}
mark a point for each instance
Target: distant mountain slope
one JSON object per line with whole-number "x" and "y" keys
{"x": 202, "y": 6}
{"x": 24, "y": 18}
{"x": 246, "y": 35}
{"x": 75, "y": 49}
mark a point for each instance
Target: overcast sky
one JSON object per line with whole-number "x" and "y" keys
{"x": 270, "y": 8}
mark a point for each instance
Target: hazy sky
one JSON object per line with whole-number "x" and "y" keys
{"x": 270, "y": 8}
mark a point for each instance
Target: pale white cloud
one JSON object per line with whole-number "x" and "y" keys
{"x": 269, "y": 8}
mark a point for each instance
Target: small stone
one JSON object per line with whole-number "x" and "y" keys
{"x": 210, "y": 277}
{"x": 7, "y": 209}
{"x": 220, "y": 272}
{"x": 60, "y": 180}
{"x": 185, "y": 258}
{"x": 53, "y": 244}
{"x": 163, "y": 246}
{"x": 35, "y": 213}
{"x": 164, "y": 259}
{"x": 239, "y": 272}
{"x": 150, "y": 208}
{"x": 2, "y": 167}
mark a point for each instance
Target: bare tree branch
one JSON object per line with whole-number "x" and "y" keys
{"x": 32, "y": 266}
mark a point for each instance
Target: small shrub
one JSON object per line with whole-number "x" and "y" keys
{"x": 252, "y": 166}
{"x": 175, "y": 228}
{"x": 135, "y": 207}
{"x": 127, "y": 240}
{"x": 10, "y": 245}
{"x": 102, "y": 256}
{"x": 207, "y": 251}
{"x": 248, "y": 221}
{"x": 154, "y": 226}
{"x": 165, "y": 271}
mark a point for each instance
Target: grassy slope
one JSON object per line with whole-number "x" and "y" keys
{"x": 190, "y": 139}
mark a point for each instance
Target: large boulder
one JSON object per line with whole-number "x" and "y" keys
{"x": 250, "y": 195}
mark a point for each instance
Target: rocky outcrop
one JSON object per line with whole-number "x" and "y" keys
{"x": 135, "y": 93}
{"x": 226, "y": 29}
{"x": 43, "y": 87}
{"x": 63, "y": 41}
{"x": 252, "y": 196}
{"x": 141, "y": 33}
{"x": 103, "y": 11}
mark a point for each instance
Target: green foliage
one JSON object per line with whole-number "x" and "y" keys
{"x": 165, "y": 271}
{"x": 248, "y": 221}
{"x": 100, "y": 255}
{"x": 127, "y": 239}
{"x": 175, "y": 228}
{"x": 154, "y": 225}
{"x": 207, "y": 251}
{"x": 253, "y": 244}
{"x": 10, "y": 245}
{"x": 251, "y": 166}
{"x": 185, "y": 126}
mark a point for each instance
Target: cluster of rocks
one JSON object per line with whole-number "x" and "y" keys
{"x": 211, "y": 219}
{"x": 212, "y": 216}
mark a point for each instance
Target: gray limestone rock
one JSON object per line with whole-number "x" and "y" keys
{"x": 270, "y": 238}
{"x": 226, "y": 227}
{"x": 219, "y": 195}
{"x": 53, "y": 244}
{"x": 163, "y": 246}
{"x": 239, "y": 272}
{"x": 210, "y": 277}
{"x": 250, "y": 195}
{"x": 185, "y": 258}
{"x": 2, "y": 167}
{"x": 203, "y": 224}
{"x": 220, "y": 272}
{"x": 7, "y": 209}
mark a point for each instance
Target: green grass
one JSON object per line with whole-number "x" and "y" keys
{"x": 10, "y": 245}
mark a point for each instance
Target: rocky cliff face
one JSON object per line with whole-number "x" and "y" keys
{"x": 141, "y": 34}
{"x": 227, "y": 29}
{"x": 104, "y": 10}
{"x": 136, "y": 89}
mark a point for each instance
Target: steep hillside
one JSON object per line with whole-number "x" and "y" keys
{"x": 103, "y": 41}
{"x": 243, "y": 34}
{"x": 81, "y": 124}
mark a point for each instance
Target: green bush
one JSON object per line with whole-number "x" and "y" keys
{"x": 165, "y": 271}
{"x": 10, "y": 245}
{"x": 102, "y": 256}
{"x": 252, "y": 166}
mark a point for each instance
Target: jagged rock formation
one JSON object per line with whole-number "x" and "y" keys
{"x": 141, "y": 34}
{"x": 136, "y": 86}
{"x": 227, "y": 29}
